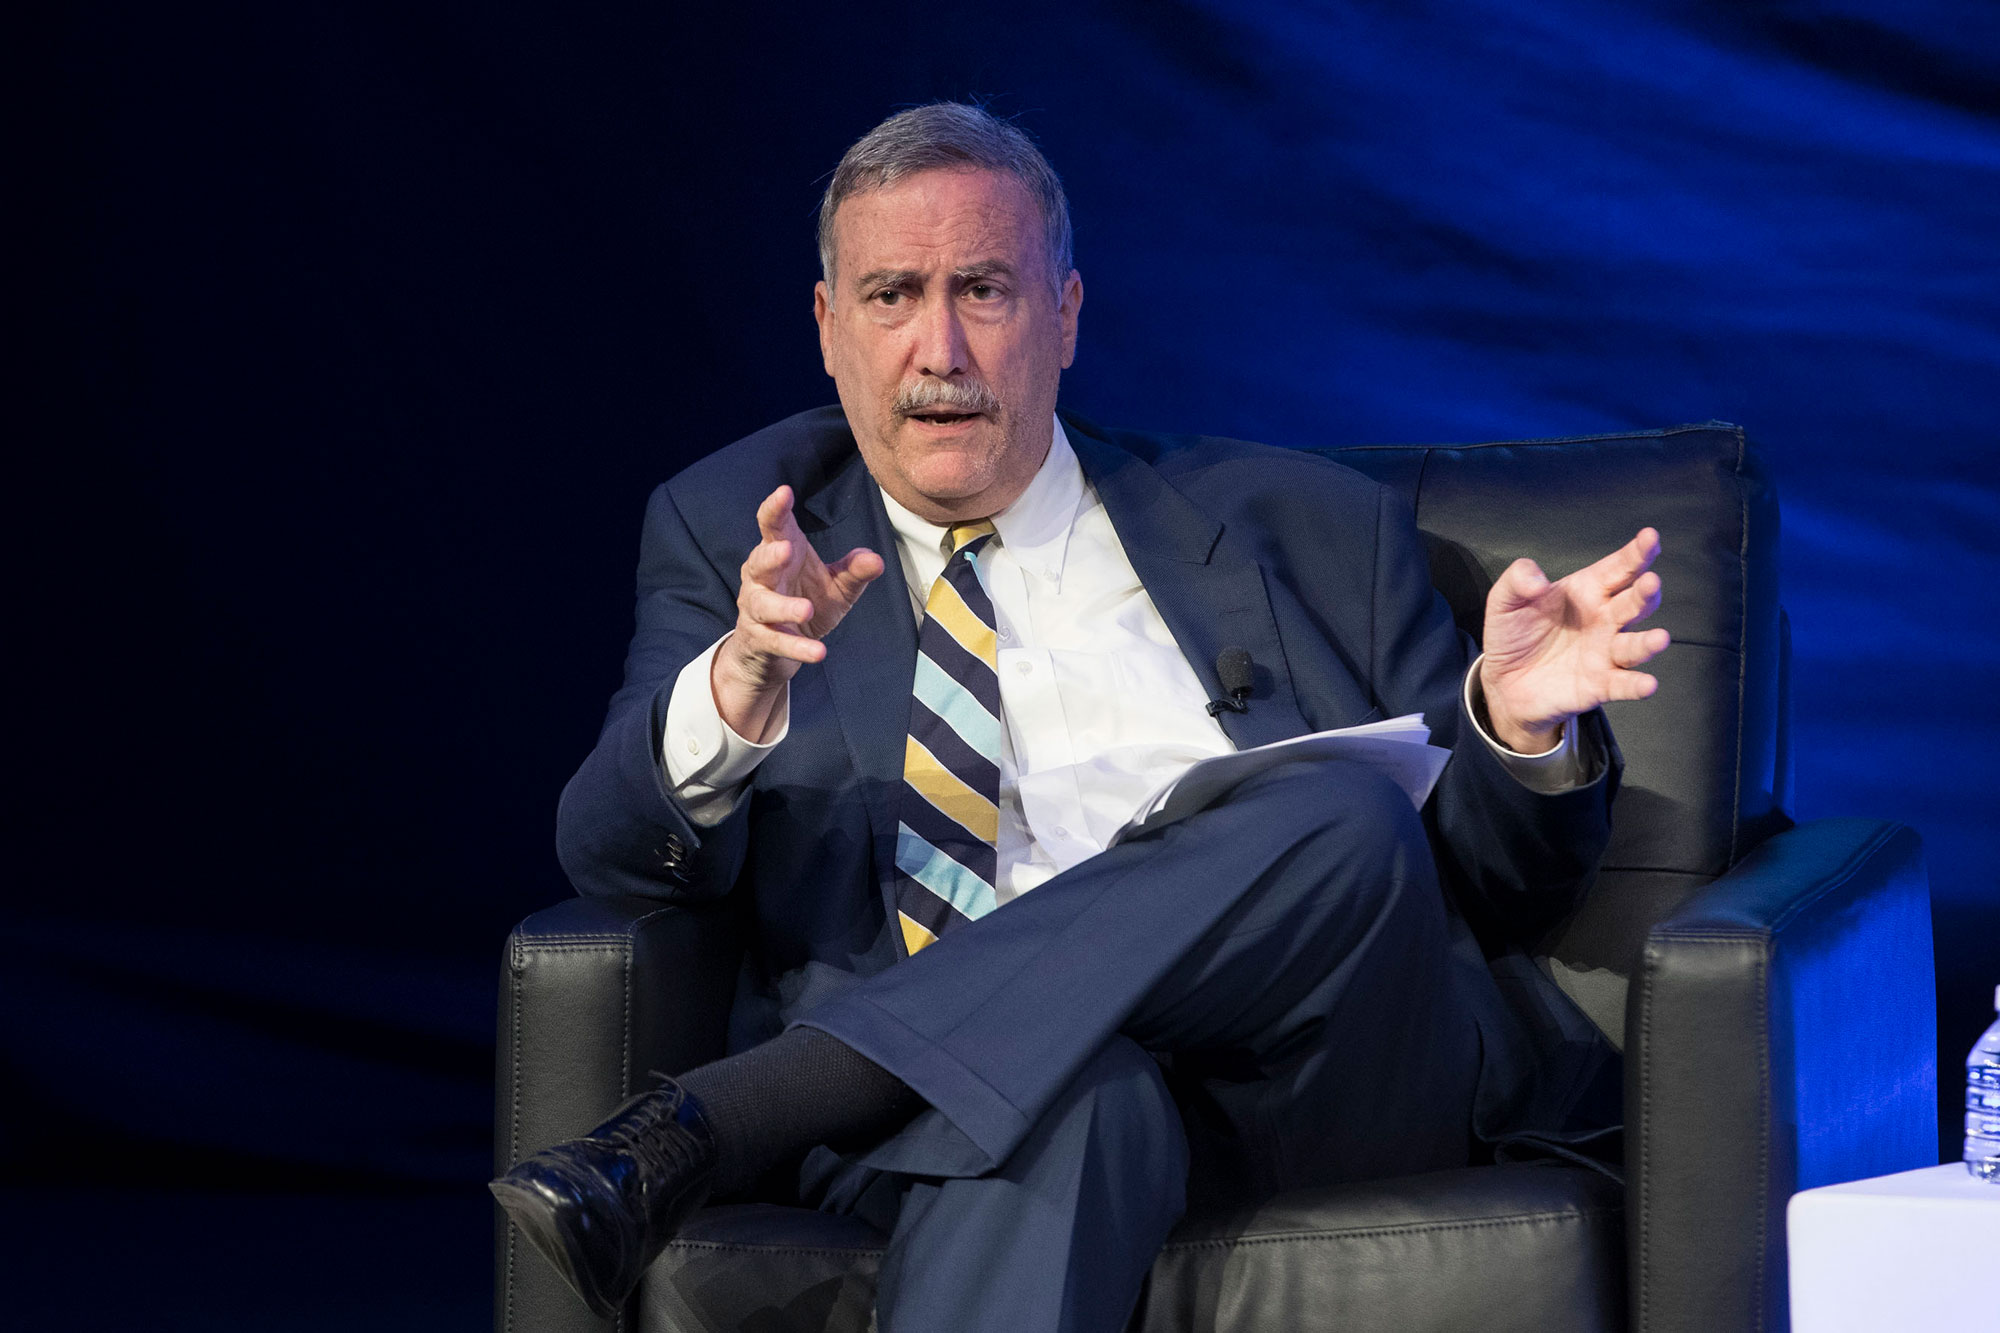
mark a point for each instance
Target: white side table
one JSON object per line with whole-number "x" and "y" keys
{"x": 1916, "y": 1250}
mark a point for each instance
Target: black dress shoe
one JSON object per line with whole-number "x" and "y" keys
{"x": 602, "y": 1207}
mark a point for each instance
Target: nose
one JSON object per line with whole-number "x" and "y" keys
{"x": 940, "y": 334}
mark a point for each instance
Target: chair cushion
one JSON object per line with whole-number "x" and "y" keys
{"x": 1528, "y": 1247}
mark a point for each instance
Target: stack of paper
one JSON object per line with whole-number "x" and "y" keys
{"x": 1397, "y": 747}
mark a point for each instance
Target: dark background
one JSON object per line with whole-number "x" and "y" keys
{"x": 357, "y": 334}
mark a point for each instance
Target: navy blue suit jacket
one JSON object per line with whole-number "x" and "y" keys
{"x": 1316, "y": 570}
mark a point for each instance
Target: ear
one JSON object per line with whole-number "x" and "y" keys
{"x": 1067, "y": 311}
{"x": 823, "y": 316}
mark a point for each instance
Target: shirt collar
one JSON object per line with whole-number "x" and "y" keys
{"x": 1035, "y": 527}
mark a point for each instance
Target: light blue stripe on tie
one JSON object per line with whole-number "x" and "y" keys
{"x": 940, "y": 874}
{"x": 962, "y": 712}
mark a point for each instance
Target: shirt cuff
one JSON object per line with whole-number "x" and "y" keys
{"x": 707, "y": 763}
{"x": 1557, "y": 770}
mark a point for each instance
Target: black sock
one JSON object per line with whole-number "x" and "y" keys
{"x": 770, "y": 1104}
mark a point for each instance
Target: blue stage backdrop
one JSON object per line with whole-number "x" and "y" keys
{"x": 372, "y": 325}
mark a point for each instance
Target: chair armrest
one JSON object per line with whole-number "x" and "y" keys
{"x": 594, "y": 993}
{"x": 1782, "y": 1035}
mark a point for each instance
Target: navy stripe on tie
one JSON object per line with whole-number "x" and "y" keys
{"x": 931, "y": 912}
{"x": 968, "y": 670}
{"x": 949, "y": 836}
{"x": 973, "y": 768}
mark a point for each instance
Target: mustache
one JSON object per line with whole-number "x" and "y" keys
{"x": 928, "y": 395}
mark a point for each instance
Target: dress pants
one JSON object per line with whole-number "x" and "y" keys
{"x": 1257, "y": 998}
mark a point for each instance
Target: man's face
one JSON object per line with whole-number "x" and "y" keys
{"x": 946, "y": 338}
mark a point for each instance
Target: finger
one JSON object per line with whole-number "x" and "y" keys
{"x": 1630, "y": 650}
{"x": 1638, "y": 601}
{"x": 1522, "y": 581}
{"x": 767, "y": 560}
{"x": 772, "y": 642}
{"x": 1615, "y": 572}
{"x": 855, "y": 571}
{"x": 774, "y": 516}
{"x": 1631, "y": 685}
{"x": 767, "y": 607}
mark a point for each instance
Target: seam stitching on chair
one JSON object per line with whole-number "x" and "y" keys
{"x": 1837, "y": 880}
{"x": 625, "y": 1031}
{"x": 513, "y": 1116}
{"x": 1221, "y": 1242}
{"x": 572, "y": 942}
{"x": 1848, "y": 870}
{"x": 1743, "y": 641}
{"x": 1399, "y": 1229}
{"x": 752, "y": 1247}
{"x": 1763, "y": 993}
{"x": 625, "y": 1072}
{"x": 1643, "y": 1179}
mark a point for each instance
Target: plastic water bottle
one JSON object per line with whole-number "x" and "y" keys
{"x": 1982, "y": 1103}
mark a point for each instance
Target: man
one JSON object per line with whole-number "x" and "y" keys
{"x": 906, "y": 717}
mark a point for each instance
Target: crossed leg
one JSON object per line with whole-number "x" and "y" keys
{"x": 1287, "y": 952}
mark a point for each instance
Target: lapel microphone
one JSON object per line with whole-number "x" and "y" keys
{"x": 1232, "y": 669}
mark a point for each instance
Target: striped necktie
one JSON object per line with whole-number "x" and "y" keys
{"x": 950, "y": 807}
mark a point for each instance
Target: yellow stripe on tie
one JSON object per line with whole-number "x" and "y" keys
{"x": 970, "y": 532}
{"x": 973, "y": 634}
{"x": 948, "y": 792}
{"x": 915, "y": 937}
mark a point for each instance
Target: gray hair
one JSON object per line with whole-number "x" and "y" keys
{"x": 948, "y": 136}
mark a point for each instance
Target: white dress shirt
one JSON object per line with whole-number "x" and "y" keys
{"x": 1098, "y": 703}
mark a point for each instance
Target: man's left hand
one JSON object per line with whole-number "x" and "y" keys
{"x": 1554, "y": 650}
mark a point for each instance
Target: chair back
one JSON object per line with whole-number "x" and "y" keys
{"x": 1707, "y": 758}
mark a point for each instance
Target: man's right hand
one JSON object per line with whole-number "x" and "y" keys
{"x": 788, "y": 601}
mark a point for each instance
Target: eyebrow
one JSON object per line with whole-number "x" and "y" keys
{"x": 985, "y": 268}
{"x": 884, "y": 277}
{"x": 876, "y": 279}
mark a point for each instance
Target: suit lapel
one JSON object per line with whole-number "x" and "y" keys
{"x": 871, "y": 655}
{"x": 1210, "y": 599}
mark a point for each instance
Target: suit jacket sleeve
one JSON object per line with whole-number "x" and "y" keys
{"x": 619, "y": 829}
{"x": 1518, "y": 860}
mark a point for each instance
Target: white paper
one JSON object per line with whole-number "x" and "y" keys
{"x": 1399, "y": 748}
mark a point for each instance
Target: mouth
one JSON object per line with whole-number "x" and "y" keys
{"x": 944, "y": 418}
{"x": 945, "y": 407}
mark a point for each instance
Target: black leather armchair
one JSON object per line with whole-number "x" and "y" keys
{"x": 1770, "y": 986}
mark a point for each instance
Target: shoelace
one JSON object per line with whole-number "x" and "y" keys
{"x": 660, "y": 1152}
